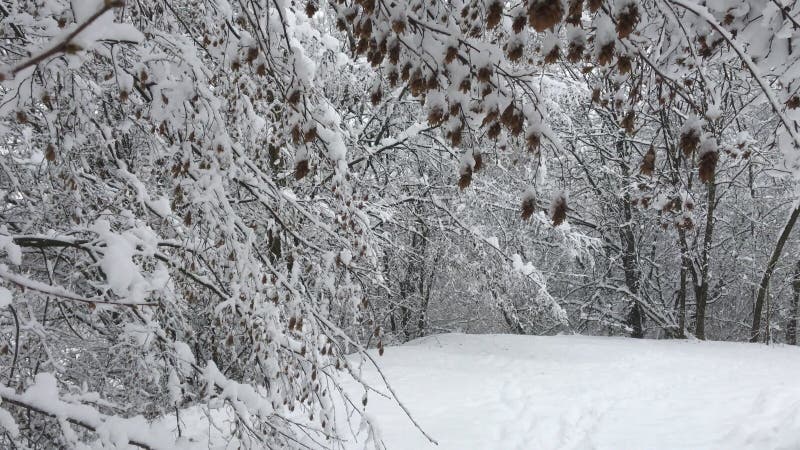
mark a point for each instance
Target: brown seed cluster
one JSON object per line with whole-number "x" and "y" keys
{"x": 528, "y": 207}
{"x": 708, "y": 165}
{"x": 606, "y": 54}
{"x": 648, "y": 163}
{"x": 552, "y": 56}
{"x": 574, "y": 12}
{"x": 465, "y": 179}
{"x": 689, "y": 141}
{"x": 558, "y": 210}
{"x": 575, "y": 51}
{"x": 534, "y": 140}
{"x": 301, "y": 169}
{"x": 628, "y": 122}
{"x": 494, "y": 14}
{"x": 478, "y": 162}
{"x": 627, "y": 19}
{"x": 544, "y": 14}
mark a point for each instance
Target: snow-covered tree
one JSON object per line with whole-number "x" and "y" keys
{"x": 211, "y": 203}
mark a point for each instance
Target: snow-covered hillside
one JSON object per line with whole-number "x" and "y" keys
{"x": 573, "y": 392}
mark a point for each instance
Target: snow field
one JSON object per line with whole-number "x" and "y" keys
{"x": 573, "y": 392}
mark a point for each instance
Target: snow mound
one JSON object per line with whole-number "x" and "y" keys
{"x": 575, "y": 392}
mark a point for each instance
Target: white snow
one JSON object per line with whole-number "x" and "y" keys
{"x": 5, "y": 297}
{"x": 13, "y": 251}
{"x": 574, "y": 392}
{"x": 525, "y": 268}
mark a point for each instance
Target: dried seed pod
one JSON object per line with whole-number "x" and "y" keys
{"x": 252, "y": 54}
{"x": 478, "y": 162}
{"x": 310, "y": 134}
{"x": 684, "y": 223}
{"x": 301, "y": 169}
{"x": 673, "y": 205}
{"x": 435, "y": 116}
{"x": 50, "y": 153}
{"x": 368, "y": 5}
{"x": 606, "y": 54}
{"x": 628, "y": 122}
{"x": 689, "y": 141}
{"x": 494, "y": 14}
{"x": 513, "y": 120}
{"x": 294, "y": 97}
{"x": 552, "y": 56}
{"x": 451, "y": 54}
{"x": 375, "y": 96}
{"x": 528, "y": 205}
{"x": 544, "y": 14}
{"x": 476, "y": 31}
{"x": 574, "y": 12}
{"x": 624, "y": 64}
{"x": 456, "y": 135}
{"x": 575, "y": 51}
{"x": 466, "y": 178}
{"x": 534, "y": 140}
{"x": 708, "y": 165}
{"x": 399, "y": 26}
{"x": 297, "y": 134}
{"x": 405, "y": 71}
{"x": 393, "y": 78}
{"x": 432, "y": 82}
{"x": 490, "y": 117}
{"x": 484, "y": 74}
{"x": 519, "y": 23}
{"x": 365, "y": 28}
{"x": 627, "y": 18}
{"x": 514, "y": 51}
{"x": 558, "y": 209}
{"x": 494, "y": 130}
{"x": 648, "y": 162}
{"x": 417, "y": 84}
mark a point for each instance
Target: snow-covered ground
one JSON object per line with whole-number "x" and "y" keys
{"x": 573, "y": 392}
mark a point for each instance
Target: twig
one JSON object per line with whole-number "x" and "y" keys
{"x": 60, "y": 292}
{"x": 64, "y": 45}
{"x": 17, "y": 400}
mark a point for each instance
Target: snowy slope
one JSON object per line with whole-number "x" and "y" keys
{"x": 574, "y": 392}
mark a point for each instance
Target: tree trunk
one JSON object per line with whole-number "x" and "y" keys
{"x": 755, "y": 330}
{"x": 794, "y": 312}
{"x": 685, "y": 261}
{"x": 701, "y": 291}
{"x": 687, "y": 265}
{"x": 635, "y": 318}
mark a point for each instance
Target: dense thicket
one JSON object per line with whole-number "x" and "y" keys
{"x": 212, "y": 203}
